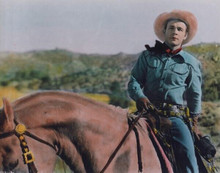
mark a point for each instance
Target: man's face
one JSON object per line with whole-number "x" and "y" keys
{"x": 175, "y": 34}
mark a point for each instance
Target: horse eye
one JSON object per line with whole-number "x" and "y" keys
{"x": 7, "y": 149}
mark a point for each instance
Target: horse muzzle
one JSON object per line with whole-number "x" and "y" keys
{"x": 10, "y": 166}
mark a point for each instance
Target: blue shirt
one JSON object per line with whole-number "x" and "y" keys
{"x": 163, "y": 77}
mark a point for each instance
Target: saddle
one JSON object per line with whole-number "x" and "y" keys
{"x": 205, "y": 150}
{"x": 166, "y": 165}
{"x": 161, "y": 126}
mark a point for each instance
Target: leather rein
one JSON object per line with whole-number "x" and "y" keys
{"x": 28, "y": 157}
{"x": 131, "y": 127}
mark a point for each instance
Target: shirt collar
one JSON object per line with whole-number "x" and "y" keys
{"x": 163, "y": 48}
{"x": 170, "y": 51}
{"x": 182, "y": 54}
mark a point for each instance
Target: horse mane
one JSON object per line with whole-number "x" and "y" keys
{"x": 70, "y": 95}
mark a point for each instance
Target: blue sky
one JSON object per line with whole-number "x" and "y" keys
{"x": 96, "y": 26}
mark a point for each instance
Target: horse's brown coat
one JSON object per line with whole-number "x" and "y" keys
{"x": 85, "y": 133}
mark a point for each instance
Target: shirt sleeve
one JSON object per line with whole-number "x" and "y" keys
{"x": 137, "y": 78}
{"x": 194, "y": 90}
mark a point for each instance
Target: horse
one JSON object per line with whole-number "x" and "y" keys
{"x": 81, "y": 131}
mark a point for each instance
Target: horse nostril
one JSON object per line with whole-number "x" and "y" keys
{"x": 14, "y": 165}
{"x": 11, "y": 166}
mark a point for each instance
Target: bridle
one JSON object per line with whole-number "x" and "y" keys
{"x": 28, "y": 157}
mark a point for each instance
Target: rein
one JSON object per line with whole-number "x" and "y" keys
{"x": 131, "y": 127}
{"x": 28, "y": 157}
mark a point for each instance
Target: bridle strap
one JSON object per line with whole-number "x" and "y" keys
{"x": 20, "y": 131}
{"x": 32, "y": 168}
{"x": 5, "y": 135}
{"x": 27, "y": 133}
{"x": 31, "y": 135}
{"x": 28, "y": 156}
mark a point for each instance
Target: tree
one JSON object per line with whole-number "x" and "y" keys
{"x": 118, "y": 96}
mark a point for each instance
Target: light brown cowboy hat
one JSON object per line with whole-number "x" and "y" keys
{"x": 185, "y": 16}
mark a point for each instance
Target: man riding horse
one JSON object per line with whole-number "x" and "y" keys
{"x": 170, "y": 78}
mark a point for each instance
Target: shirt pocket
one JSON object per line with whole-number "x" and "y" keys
{"x": 153, "y": 70}
{"x": 180, "y": 69}
{"x": 153, "y": 62}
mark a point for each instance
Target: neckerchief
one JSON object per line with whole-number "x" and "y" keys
{"x": 162, "y": 48}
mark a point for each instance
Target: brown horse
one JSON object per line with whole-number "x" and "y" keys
{"x": 83, "y": 133}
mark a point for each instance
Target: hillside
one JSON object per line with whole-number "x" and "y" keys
{"x": 62, "y": 69}
{"x": 209, "y": 55}
{"x": 109, "y": 74}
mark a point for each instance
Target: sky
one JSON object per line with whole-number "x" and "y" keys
{"x": 96, "y": 26}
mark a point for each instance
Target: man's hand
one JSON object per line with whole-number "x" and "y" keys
{"x": 142, "y": 104}
{"x": 195, "y": 127}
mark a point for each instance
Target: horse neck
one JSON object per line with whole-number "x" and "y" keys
{"x": 77, "y": 126}
{"x": 60, "y": 107}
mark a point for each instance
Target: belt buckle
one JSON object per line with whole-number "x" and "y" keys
{"x": 172, "y": 113}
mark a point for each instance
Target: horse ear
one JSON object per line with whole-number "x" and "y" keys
{"x": 8, "y": 113}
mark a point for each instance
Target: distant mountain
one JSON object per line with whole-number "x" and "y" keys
{"x": 63, "y": 69}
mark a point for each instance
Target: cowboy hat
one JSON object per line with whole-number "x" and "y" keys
{"x": 188, "y": 18}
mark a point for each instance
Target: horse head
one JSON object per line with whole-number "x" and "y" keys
{"x": 10, "y": 154}
{"x": 82, "y": 132}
